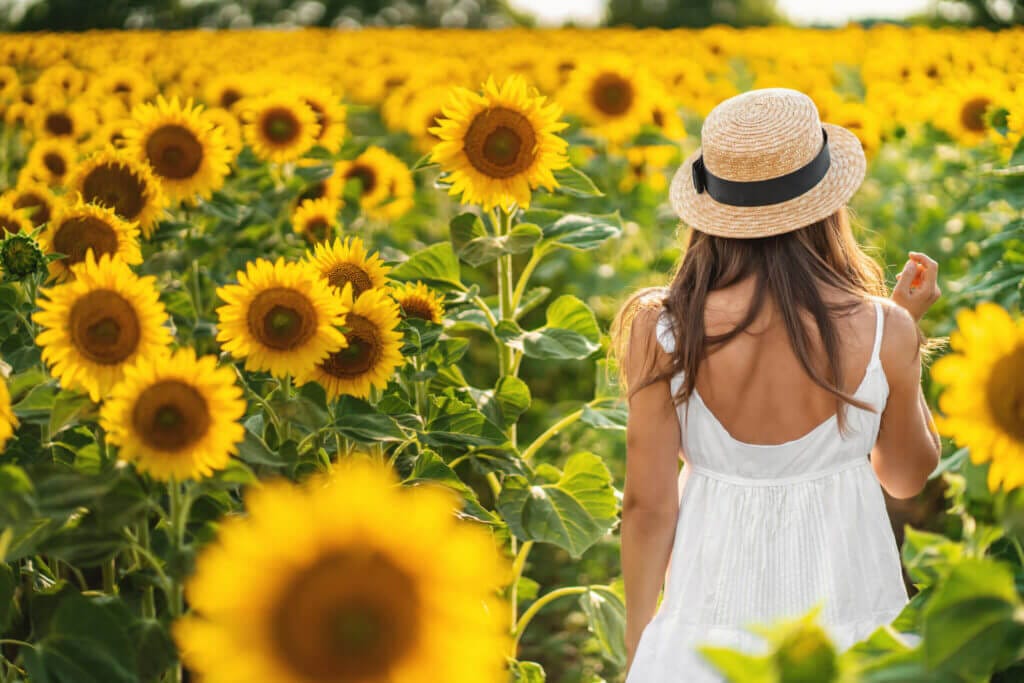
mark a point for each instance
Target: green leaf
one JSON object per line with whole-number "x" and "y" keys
{"x": 155, "y": 649}
{"x": 436, "y": 264}
{"x": 572, "y": 512}
{"x": 605, "y": 417}
{"x": 570, "y": 313}
{"x": 430, "y": 467}
{"x": 968, "y": 625}
{"x": 481, "y": 250}
{"x": 651, "y": 135}
{"x": 513, "y": 396}
{"x": 571, "y": 332}
{"x": 254, "y": 449}
{"x": 527, "y": 672}
{"x": 362, "y": 422}
{"x": 7, "y": 585}
{"x": 69, "y": 408}
{"x": 464, "y": 228}
{"x": 607, "y": 618}
{"x": 576, "y": 183}
{"x": 314, "y": 174}
{"x": 739, "y": 667}
{"x": 1017, "y": 158}
{"x": 580, "y": 232}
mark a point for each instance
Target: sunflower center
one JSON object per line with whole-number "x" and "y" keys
{"x": 341, "y": 273}
{"x": 1006, "y": 393}
{"x": 318, "y": 228}
{"x": 8, "y": 226}
{"x": 972, "y": 114}
{"x": 59, "y": 124}
{"x": 366, "y": 175}
{"x": 280, "y": 126}
{"x": 171, "y": 415}
{"x": 228, "y": 97}
{"x": 417, "y": 307}
{"x": 55, "y": 163}
{"x": 116, "y": 187}
{"x": 351, "y": 616}
{"x": 659, "y": 118}
{"x": 612, "y": 94}
{"x": 282, "y": 318}
{"x": 500, "y": 143}
{"x": 362, "y": 353}
{"x": 77, "y": 235}
{"x": 104, "y": 327}
{"x": 30, "y": 200}
{"x": 174, "y": 152}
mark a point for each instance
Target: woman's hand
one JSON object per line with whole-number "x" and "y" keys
{"x": 917, "y": 287}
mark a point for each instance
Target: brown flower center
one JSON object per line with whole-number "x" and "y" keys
{"x": 418, "y": 307}
{"x": 59, "y": 124}
{"x": 171, "y": 415}
{"x": 612, "y": 94}
{"x": 228, "y": 97}
{"x": 8, "y": 226}
{"x": 1005, "y": 393}
{"x": 75, "y": 236}
{"x": 344, "y": 272}
{"x": 318, "y": 229}
{"x": 174, "y": 152}
{"x": 972, "y": 114}
{"x": 366, "y": 175}
{"x": 280, "y": 126}
{"x": 282, "y": 318}
{"x": 31, "y": 200}
{"x": 104, "y": 327}
{"x": 55, "y": 164}
{"x": 361, "y": 354}
{"x": 321, "y": 117}
{"x": 500, "y": 143}
{"x": 117, "y": 187}
{"x": 350, "y": 616}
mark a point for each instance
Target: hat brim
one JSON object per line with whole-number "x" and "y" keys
{"x": 847, "y": 165}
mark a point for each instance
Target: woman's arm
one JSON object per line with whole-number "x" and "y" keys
{"x": 650, "y": 498}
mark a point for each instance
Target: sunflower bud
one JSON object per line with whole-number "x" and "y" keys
{"x": 21, "y": 257}
{"x": 806, "y": 655}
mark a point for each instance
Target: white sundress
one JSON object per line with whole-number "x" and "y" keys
{"x": 768, "y": 531}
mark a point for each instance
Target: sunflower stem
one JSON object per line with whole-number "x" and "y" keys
{"x": 109, "y": 569}
{"x": 550, "y": 432}
{"x": 197, "y": 297}
{"x": 148, "y": 598}
{"x": 517, "y": 572}
{"x": 539, "y": 603}
{"x": 180, "y": 501}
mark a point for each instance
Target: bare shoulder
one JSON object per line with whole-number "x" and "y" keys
{"x": 644, "y": 354}
{"x": 900, "y": 340}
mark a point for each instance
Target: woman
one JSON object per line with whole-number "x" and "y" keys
{"x": 789, "y": 385}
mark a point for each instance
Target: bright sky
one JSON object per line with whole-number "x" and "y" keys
{"x": 800, "y": 11}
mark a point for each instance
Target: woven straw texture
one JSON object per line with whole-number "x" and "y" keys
{"x": 764, "y": 134}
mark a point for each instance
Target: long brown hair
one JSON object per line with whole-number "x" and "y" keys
{"x": 791, "y": 268}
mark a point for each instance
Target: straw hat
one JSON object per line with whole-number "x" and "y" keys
{"x": 767, "y": 165}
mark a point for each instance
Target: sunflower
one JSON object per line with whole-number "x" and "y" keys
{"x": 229, "y": 125}
{"x": 371, "y": 169}
{"x": 101, "y": 321}
{"x": 109, "y": 134}
{"x": 226, "y": 89}
{"x": 422, "y": 113}
{"x": 185, "y": 151}
{"x": 50, "y": 161}
{"x": 128, "y": 85}
{"x": 281, "y": 317}
{"x": 316, "y": 219}
{"x": 113, "y": 179}
{"x": 346, "y": 261}
{"x": 351, "y": 578}
{"x": 983, "y": 402}
{"x": 35, "y": 196}
{"x": 612, "y": 95}
{"x": 177, "y": 417}
{"x": 373, "y": 350}
{"x": 330, "y": 115}
{"x": 8, "y": 420}
{"x": 69, "y": 121}
{"x": 280, "y": 127}
{"x": 400, "y": 191}
{"x": 965, "y": 119}
{"x": 12, "y": 219}
{"x": 9, "y": 82}
{"x": 499, "y": 145}
{"x": 77, "y": 228}
{"x": 419, "y": 301}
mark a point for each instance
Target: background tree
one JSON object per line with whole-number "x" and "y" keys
{"x": 699, "y": 13}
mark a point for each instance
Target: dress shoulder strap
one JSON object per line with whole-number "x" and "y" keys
{"x": 879, "y": 327}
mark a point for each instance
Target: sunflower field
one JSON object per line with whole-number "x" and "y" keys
{"x": 304, "y": 339}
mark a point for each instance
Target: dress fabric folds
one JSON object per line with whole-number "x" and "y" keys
{"x": 768, "y": 531}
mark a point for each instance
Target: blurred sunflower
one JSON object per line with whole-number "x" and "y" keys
{"x": 77, "y": 228}
{"x": 8, "y": 420}
{"x": 224, "y": 90}
{"x": 68, "y": 121}
{"x": 116, "y": 180}
{"x": 12, "y": 219}
{"x": 316, "y": 219}
{"x": 280, "y": 317}
{"x": 496, "y": 147}
{"x": 50, "y": 161}
{"x": 983, "y": 402}
{"x": 371, "y": 169}
{"x": 346, "y": 261}
{"x": 329, "y": 112}
{"x": 185, "y": 151}
{"x": 612, "y": 95}
{"x": 101, "y": 321}
{"x": 279, "y": 127}
{"x": 109, "y": 134}
{"x": 175, "y": 417}
{"x": 965, "y": 116}
{"x": 373, "y": 348}
{"x": 62, "y": 79}
{"x": 229, "y": 125}
{"x": 422, "y": 113}
{"x": 400, "y": 190}
{"x": 36, "y": 197}
{"x": 9, "y": 82}
{"x": 419, "y": 301}
{"x": 126, "y": 84}
{"x": 351, "y": 578}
